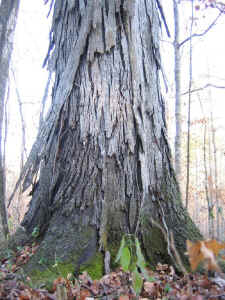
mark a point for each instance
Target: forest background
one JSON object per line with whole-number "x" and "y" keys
{"x": 204, "y": 89}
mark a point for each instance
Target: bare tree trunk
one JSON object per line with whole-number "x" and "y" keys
{"x": 221, "y": 194}
{"x": 208, "y": 191}
{"x": 23, "y": 155}
{"x": 177, "y": 74}
{"x": 102, "y": 153}
{"x": 196, "y": 194}
{"x": 189, "y": 109}
{"x": 8, "y": 16}
{"x": 216, "y": 198}
{"x": 211, "y": 190}
{"x": 206, "y": 174}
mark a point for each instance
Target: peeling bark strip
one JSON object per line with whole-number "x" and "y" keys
{"x": 103, "y": 155}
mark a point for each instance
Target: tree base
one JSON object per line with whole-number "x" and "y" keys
{"x": 73, "y": 249}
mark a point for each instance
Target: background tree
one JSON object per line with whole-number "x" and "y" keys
{"x": 178, "y": 61}
{"x": 177, "y": 81}
{"x": 8, "y": 16}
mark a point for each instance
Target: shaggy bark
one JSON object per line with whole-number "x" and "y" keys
{"x": 104, "y": 161}
{"x": 8, "y": 16}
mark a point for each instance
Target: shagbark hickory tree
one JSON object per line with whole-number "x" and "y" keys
{"x": 102, "y": 154}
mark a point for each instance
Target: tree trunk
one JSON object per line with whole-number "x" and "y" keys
{"x": 8, "y": 16}
{"x": 215, "y": 185}
{"x": 105, "y": 164}
{"x": 177, "y": 81}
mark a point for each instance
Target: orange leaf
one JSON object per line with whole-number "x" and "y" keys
{"x": 59, "y": 280}
{"x": 209, "y": 258}
{"x": 194, "y": 253}
{"x": 214, "y": 246}
{"x": 204, "y": 251}
{"x": 84, "y": 294}
{"x": 124, "y": 297}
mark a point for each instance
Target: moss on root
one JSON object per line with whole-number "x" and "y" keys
{"x": 95, "y": 267}
{"x": 45, "y": 273}
{"x": 47, "y": 276}
{"x": 155, "y": 246}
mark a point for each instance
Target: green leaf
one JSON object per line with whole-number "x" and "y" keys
{"x": 220, "y": 210}
{"x": 167, "y": 288}
{"x": 211, "y": 214}
{"x": 132, "y": 265}
{"x": 140, "y": 258}
{"x": 122, "y": 245}
{"x": 152, "y": 279}
{"x": 145, "y": 274}
{"x": 125, "y": 259}
{"x": 137, "y": 281}
{"x": 35, "y": 232}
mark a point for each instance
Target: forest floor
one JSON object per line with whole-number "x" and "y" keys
{"x": 163, "y": 283}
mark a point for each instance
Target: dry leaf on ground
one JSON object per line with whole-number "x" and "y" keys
{"x": 204, "y": 251}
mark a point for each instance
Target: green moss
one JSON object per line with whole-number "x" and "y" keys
{"x": 49, "y": 274}
{"x": 155, "y": 246}
{"x": 113, "y": 249}
{"x": 95, "y": 267}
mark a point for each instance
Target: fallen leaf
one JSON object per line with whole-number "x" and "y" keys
{"x": 124, "y": 297}
{"x": 85, "y": 278}
{"x": 204, "y": 251}
{"x": 197, "y": 297}
{"x": 214, "y": 246}
{"x": 84, "y": 294}
{"x": 58, "y": 281}
{"x": 150, "y": 288}
{"x": 161, "y": 267}
{"x": 209, "y": 258}
{"x": 95, "y": 287}
{"x": 194, "y": 253}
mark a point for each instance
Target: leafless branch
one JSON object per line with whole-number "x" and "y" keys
{"x": 204, "y": 87}
{"x": 220, "y": 6}
{"x": 50, "y": 8}
{"x": 163, "y": 17}
{"x": 23, "y": 125}
{"x": 203, "y": 33}
{"x": 168, "y": 42}
{"x": 51, "y": 5}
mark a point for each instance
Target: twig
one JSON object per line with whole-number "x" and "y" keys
{"x": 200, "y": 34}
{"x": 204, "y": 87}
{"x": 163, "y": 17}
{"x": 51, "y": 5}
